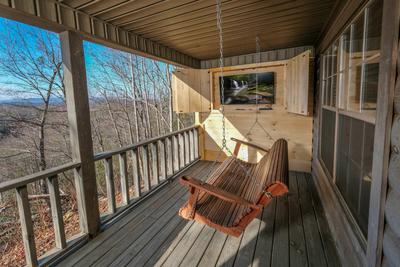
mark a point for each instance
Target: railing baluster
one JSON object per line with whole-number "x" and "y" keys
{"x": 145, "y": 169}
{"x": 155, "y": 163}
{"x": 187, "y": 148}
{"x": 124, "y": 178}
{"x": 196, "y": 143}
{"x": 136, "y": 172}
{"x": 184, "y": 149}
{"x": 181, "y": 151}
{"x": 176, "y": 154}
{"x": 191, "y": 142}
{"x": 170, "y": 155}
{"x": 163, "y": 158}
{"x": 56, "y": 211}
{"x": 109, "y": 173}
{"x": 25, "y": 218}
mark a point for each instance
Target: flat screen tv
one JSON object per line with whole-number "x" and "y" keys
{"x": 241, "y": 88}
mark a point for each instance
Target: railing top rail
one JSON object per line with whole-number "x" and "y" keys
{"x": 22, "y": 181}
{"x": 111, "y": 153}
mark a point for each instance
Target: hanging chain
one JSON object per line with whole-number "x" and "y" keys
{"x": 258, "y": 56}
{"x": 221, "y": 71}
{"x": 256, "y": 122}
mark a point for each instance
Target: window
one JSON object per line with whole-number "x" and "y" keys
{"x": 328, "y": 139}
{"x": 349, "y": 94}
{"x": 330, "y": 75}
{"x": 354, "y": 166}
{"x": 356, "y": 52}
{"x": 359, "y": 54}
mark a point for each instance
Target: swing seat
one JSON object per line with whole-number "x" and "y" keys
{"x": 232, "y": 197}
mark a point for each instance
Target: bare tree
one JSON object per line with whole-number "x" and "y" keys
{"x": 31, "y": 61}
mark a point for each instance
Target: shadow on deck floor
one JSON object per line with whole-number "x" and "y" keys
{"x": 292, "y": 231}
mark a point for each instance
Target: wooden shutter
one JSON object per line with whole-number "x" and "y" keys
{"x": 297, "y": 87}
{"x": 191, "y": 90}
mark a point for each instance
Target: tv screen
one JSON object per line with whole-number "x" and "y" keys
{"x": 241, "y": 88}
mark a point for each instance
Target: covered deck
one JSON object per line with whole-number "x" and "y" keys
{"x": 293, "y": 231}
{"x": 331, "y": 86}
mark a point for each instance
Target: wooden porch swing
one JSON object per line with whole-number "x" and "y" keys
{"x": 230, "y": 199}
{"x": 236, "y": 192}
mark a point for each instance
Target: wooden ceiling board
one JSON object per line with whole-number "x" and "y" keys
{"x": 79, "y": 3}
{"x": 234, "y": 27}
{"x": 259, "y": 29}
{"x": 248, "y": 43}
{"x": 129, "y": 12}
{"x": 189, "y": 26}
{"x": 246, "y": 48}
{"x": 181, "y": 14}
{"x": 206, "y": 15}
{"x": 120, "y": 6}
{"x": 264, "y": 38}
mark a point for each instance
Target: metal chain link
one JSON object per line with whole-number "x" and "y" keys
{"x": 222, "y": 108}
{"x": 221, "y": 71}
{"x": 256, "y": 122}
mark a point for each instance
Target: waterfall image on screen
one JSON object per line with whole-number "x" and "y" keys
{"x": 241, "y": 88}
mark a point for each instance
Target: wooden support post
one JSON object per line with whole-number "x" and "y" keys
{"x": 56, "y": 212}
{"x": 25, "y": 218}
{"x": 384, "y": 117}
{"x": 124, "y": 178}
{"x": 80, "y": 131}
{"x": 109, "y": 173}
{"x": 136, "y": 173}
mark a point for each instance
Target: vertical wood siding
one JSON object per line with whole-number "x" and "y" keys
{"x": 391, "y": 237}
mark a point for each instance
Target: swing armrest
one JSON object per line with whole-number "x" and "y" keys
{"x": 241, "y": 142}
{"x": 217, "y": 192}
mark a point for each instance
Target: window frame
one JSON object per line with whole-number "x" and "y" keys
{"x": 341, "y": 107}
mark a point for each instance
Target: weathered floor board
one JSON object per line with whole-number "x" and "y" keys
{"x": 292, "y": 231}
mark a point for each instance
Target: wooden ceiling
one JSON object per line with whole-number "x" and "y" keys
{"x": 189, "y": 26}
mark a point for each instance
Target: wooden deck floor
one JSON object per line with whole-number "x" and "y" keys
{"x": 291, "y": 232}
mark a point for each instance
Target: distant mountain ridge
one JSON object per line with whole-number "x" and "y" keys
{"x": 34, "y": 101}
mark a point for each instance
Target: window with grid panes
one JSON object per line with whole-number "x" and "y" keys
{"x": 349, "y": 94}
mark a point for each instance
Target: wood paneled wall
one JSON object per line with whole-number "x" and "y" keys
{"x": 278, "y": 123}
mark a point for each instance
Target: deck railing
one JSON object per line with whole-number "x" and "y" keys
{"x": 153, "y": 162}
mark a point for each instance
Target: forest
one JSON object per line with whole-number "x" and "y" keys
{"x": 130, "y": 101}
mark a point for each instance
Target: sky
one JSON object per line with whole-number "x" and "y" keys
{"x": 8, "y": 26}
